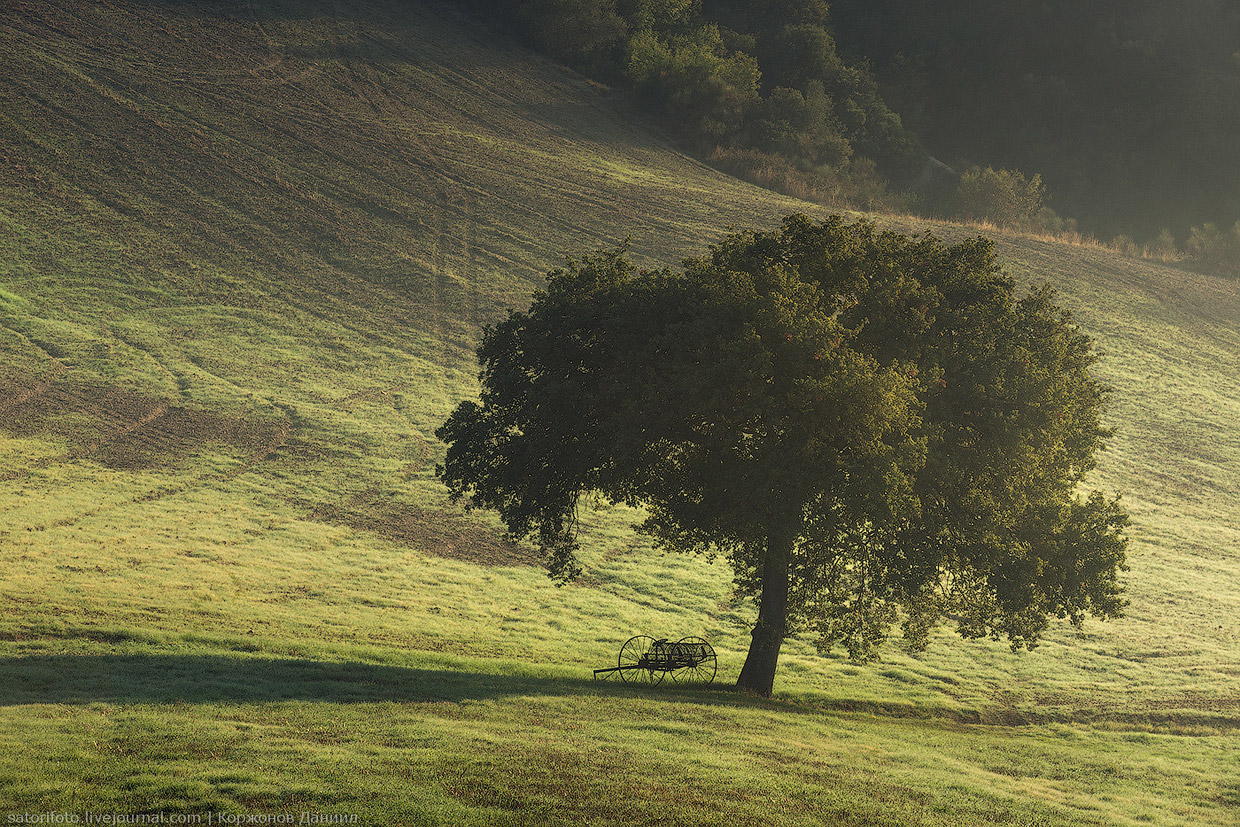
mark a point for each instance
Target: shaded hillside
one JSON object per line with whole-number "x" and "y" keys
{"x": 245, "y": 253}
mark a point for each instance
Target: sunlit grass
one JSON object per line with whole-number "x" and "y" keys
{"x": 425, "y": 739}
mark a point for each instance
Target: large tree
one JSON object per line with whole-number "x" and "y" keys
{"x": 873, "y": 428}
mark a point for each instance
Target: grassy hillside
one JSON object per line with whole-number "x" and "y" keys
{"x": 245, "y": 252}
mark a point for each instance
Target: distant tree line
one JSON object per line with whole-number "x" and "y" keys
{"x": 1125, "y": 111}
{"x": 757, "y": 86}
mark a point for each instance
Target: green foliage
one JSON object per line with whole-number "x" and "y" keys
{"x": 1162, "y": 246}
{"x": 754, "y": 15}
{"x": 740, "y": 77}
{"x": 878, "y": 415}
{"x": 797, "y": 52}
{"x": 1005, "y": 197}
{"x": 799, "y": 126}
{"x": 582, "y": 32}
{"x": 693, "y": 78}
{"x": 794, "y": 55}
{"x": 1048, "y": 221}
{"x": 662, "y": 15}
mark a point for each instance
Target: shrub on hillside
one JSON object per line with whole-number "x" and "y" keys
{"x": 803, "y": 57}
{"x": 1050, "y": 222}
{"x": 775, "y": 172}
{"x": 1162, "y": 247}
{"x": 1002, "y": 196}
{"x": 695, "y": 78}
{"x": 656, "y": 14}
{"x": 581, "y": 32}
{"x": 1215, "y": 250}
{"x": 1126, "y": 245}
{"x": 855, "y": 183}
{"x": 798, "y": 126}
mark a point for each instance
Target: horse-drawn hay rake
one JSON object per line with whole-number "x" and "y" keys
{"x": 646, "y": 660}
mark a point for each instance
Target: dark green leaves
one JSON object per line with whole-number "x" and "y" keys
{"x": 886, "y": 402}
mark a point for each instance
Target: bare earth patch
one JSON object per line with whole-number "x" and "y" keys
{"x": 125, "y": 430}
{"x": 433, "y": 531}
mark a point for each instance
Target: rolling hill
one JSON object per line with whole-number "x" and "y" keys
{"x": 246, "y": 250}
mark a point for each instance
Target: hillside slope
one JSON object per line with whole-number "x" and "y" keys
{"x": 246, "y": 250}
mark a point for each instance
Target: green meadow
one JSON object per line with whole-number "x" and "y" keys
{"x": 246, "y": 252}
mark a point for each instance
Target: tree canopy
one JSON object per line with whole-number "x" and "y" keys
{"x": 873, "y": 428}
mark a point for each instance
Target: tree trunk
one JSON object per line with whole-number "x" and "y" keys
{"x": 758, "y": 673}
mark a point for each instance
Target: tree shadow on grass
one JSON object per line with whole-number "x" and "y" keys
{"x": 172, "y": 678}
{"x": 164, "y": 678}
